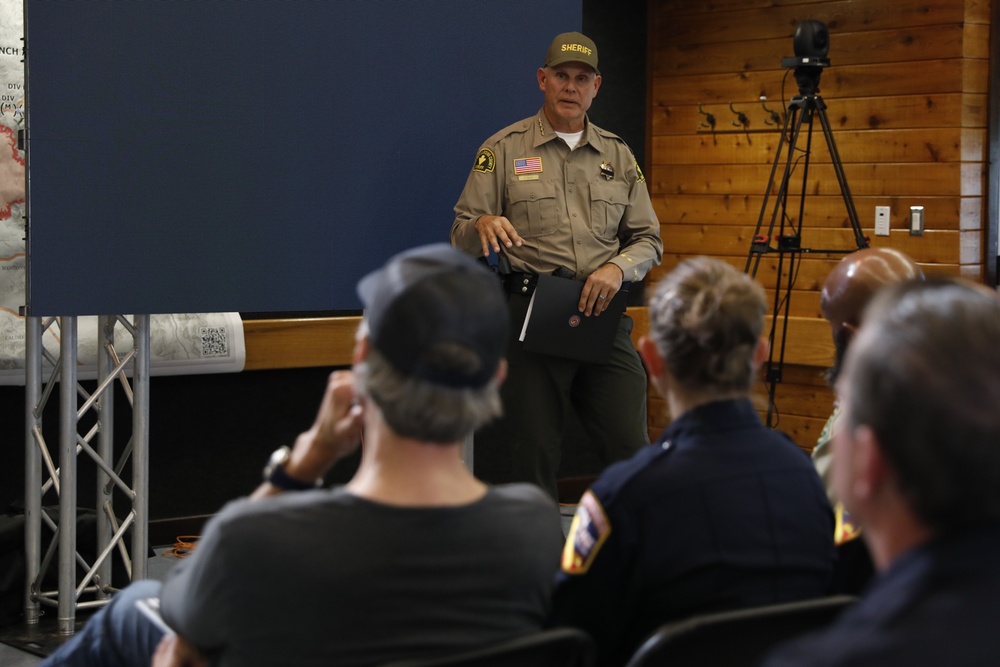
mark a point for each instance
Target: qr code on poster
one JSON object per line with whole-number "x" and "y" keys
{"x": 214, "y": 342}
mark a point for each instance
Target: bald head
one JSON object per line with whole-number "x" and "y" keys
{"x": 849, "y": 288}
{"x": 853, "y": 282}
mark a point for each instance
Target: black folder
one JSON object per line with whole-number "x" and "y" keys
{"x": 555, "y": 326}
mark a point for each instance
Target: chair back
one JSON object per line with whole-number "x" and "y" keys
{"x": 556, "y": 647}
{"x": 736, "y": 638}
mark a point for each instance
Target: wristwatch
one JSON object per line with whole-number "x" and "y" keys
{"x": 275, "y": 474}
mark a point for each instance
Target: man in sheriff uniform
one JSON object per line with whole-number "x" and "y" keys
{"x": 554, "y": 193}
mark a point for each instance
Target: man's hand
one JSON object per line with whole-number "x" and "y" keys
{"x": 175, "y": 651}
{"x": 494, "y": 230}
{"x": 600, "y": 288}
{"x": 335, "y": 434}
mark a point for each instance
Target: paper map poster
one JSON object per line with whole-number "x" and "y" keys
{"x": 179, "y": 344}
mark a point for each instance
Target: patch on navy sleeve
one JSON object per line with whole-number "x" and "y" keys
{"x": 587, "y": 534}
{"x": 486, "y": 161}
{"x": 846, "y": 529}
{"x": 642, "y": 178}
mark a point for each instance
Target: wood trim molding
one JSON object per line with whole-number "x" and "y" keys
{"x": 299, "y": 342}
{"x": 329, "y": 341}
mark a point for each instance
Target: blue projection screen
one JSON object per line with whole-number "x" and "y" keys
{"x": 257, "y": 155}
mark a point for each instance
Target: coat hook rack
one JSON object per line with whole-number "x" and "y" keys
{"x": 774, "y": 118}
{"x": 709, "y": 118}
{"x": 741, "y": 118}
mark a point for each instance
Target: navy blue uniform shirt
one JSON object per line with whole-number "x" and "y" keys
{"x": 938, "y": 604}
{"x": 721, "y": 513}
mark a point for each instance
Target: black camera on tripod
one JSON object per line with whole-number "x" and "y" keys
{"x": 812, "y": 43}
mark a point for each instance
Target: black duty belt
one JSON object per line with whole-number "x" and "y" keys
{"x": 520, "y": 283}
{"x": 524, "y": 283}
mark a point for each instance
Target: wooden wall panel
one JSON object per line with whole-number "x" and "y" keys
{"x": 738, "y": 22}
{"x": 952, "y": 213}
{"x": 910, "y": 145}
{"x": 906, "y": 100}
{"x": 873, "y": 178}
{"x": 932, "y": 76}
{"x": 860, "y": 113}
{"x": 896, "y": 44}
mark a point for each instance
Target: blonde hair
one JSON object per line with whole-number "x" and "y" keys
{"x": 706, "y": 319}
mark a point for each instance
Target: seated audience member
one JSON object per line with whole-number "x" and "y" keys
{"x": 846, "y": 292}
{"x": 916, "y": 461}
{"x": 414, "y": 557}
{"x": 721, "y": 512}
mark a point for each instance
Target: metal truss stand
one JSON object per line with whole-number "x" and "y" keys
{"x": 788, "y": 242}
{"x": 82, "y": 583}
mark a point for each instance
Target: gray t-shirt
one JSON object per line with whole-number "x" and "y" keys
{"x": 327, "y": 578}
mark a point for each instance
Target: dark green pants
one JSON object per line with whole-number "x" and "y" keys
{"x": 609, "y": 400}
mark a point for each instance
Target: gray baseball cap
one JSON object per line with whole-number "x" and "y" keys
{"x": 431, "y": 296}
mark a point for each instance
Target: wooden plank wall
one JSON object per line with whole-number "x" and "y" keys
{"x": 907, "y": 102}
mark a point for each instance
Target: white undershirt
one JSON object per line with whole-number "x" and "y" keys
{"x": 571, "y": 138}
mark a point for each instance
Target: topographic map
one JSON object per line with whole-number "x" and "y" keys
{"x": 179, "y": 344}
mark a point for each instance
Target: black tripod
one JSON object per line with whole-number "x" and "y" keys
{"x": 802, "y": 110}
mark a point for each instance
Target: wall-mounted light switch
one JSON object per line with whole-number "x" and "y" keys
{"x": 916, "y": 221}
{"x": 882, "y": 220}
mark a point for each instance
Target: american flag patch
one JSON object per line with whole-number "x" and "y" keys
{"x": 528, "y": 165}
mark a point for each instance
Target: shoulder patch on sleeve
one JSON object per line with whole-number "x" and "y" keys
{"x": 587, "y": 534}
{"x": 486, "y": 161}
{"x": 638, "y": 171}
{"x": 845, "y": 529}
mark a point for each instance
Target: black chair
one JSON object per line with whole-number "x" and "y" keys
{"x": 558, "y": 647}
{"x": 735, "y": 638}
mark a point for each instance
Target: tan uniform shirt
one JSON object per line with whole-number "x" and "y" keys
{"x": 578, "y": 209}
{"x": 822, "y": 454}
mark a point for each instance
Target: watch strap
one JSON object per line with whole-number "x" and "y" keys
{"x": 281, "y": 479}
{"x": 276, "y": 475}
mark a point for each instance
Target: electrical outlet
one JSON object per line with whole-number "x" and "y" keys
{"x": 916, "y": 221}
{"x": 882, "y": 220}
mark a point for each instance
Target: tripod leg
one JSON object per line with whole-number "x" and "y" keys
{"x": 775, "y": 371}
{"x": 754, "y": 250}
{"x": 845, "y": 190}
{"x": 808, "y": 113}
{"x": 794, "y": 120}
